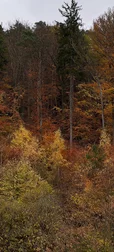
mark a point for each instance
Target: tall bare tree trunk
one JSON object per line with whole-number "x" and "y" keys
{"x": 71, "y": 111}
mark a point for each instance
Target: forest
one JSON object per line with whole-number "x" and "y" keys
{"x": 57, "y": 135}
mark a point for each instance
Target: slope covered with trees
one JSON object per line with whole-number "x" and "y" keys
{"x": 57, "y": 135}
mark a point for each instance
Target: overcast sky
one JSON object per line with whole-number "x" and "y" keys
{"x": 32, "y": 11}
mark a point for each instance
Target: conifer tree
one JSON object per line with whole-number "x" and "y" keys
{"x": 3, "y": 57}
{"x": 70, "y": 51}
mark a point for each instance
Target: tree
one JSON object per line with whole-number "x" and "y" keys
{"x": 16, "y": 52}
{"x": 39, "y": 45}
{"x": 27, "y": 145}
{"x": 28, "y": 210}
{"x": 3, "y": 50}
{"x": 95, "y": 69}
{"x": 102, "y": 37}
{"x": 70, "y": 51}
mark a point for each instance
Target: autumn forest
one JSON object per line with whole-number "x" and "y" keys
{"x": 57, "y": 135}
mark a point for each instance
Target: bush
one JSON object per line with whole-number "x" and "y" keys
{"x": 29, "y": 213}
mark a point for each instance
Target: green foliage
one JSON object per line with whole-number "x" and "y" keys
{"x": 96, "y": 157}
{"x": 3, "y": 58}
{"x": 29, "y": 214}
{"x": 71, "y": 41}
{"x": 19, "y": 180}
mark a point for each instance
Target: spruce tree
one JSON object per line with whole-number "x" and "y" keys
{"x": 3, "y": 58}
{"x": 71, "y": 47}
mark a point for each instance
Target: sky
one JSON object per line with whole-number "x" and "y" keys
{"x": 31, "y": 11}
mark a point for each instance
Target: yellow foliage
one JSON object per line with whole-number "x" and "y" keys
{"x": 24, "y": 140}
{"x": 105, "y": 142}
{"x": 51, "y": 160}
{"x": 56, "y": 149}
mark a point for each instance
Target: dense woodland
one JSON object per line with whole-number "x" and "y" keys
{"x": 57, "y": 135}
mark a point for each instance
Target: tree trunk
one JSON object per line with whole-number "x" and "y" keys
{"x": 71, "y": 111}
